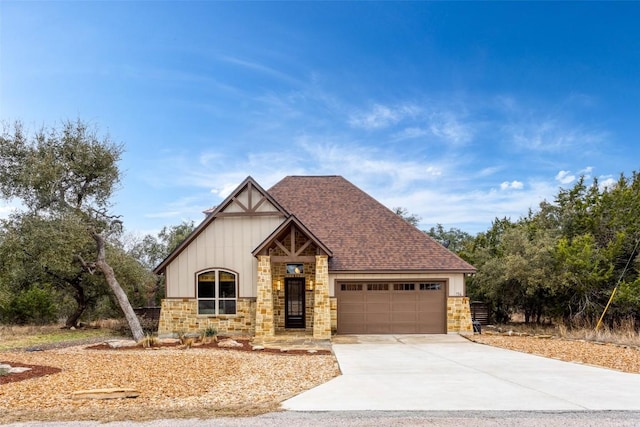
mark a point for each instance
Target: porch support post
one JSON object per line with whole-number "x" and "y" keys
{"x": 321, "y": 307}
{"x": 264, "y": 299}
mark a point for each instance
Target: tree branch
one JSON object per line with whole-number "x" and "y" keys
{"x": 89, "y": 266}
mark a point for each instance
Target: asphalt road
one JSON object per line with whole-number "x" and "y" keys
{"x": 389, "y": 418}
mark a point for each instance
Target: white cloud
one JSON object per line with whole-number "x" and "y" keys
{"x": 607, "y": 183}
{"x": 368, "y": 165}
{"x": 491, "y": 170}
{"x": 469, "y": 209}
{"x": 255, "y": 66}
{"x": 513, "y": 185}
{"x": 410, "y": 133}
{"x": 586, "y": 172}
{"x": 448, "y": 127}
{"x": 382, "y": 116}
{"x": 565, "y": 177}
{"x": 551, "y": 135}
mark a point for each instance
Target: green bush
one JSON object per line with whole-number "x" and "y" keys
{"x": 34, "y": 305}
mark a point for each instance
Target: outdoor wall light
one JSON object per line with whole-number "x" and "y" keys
{"x": 310, "y": 285}
{"x": 278, "y": 285}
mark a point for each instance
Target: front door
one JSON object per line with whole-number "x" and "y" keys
{"x": 294, "y": 302}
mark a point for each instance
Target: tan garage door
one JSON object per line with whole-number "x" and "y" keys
{"x": 392, "y": 308}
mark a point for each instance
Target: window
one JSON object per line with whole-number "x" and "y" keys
{"x": 295, "y": 268}
{"x": 217, "y": 292}
{"x": 378, "y": 287}
{"x": 404, "y": 286}
{"x": 430, "y": 286}
{"x": 351, "y": 287}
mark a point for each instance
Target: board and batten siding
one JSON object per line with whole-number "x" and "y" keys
{"x": 226, "y": 243}
{"x": 455, "y": 281}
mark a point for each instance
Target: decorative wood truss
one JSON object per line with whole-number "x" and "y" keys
{"x": 251, "y": 200}
{"x": 294, "y": 240}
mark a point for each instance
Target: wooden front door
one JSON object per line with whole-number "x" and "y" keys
{"x": 294, "y": 309}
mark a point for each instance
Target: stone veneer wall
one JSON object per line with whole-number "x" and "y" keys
{"x": 459, "y": 315}
{"x": 181, "y": 315}
{"x": 322, "y": 305}
{"x": 333, "y": 306}
{"x": 264, "y": 327}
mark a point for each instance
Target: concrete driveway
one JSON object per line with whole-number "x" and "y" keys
{"x": 448, "y": 372}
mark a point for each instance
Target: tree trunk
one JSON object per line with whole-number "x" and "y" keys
{"x": 72, "y": 321}
{"x": 81, "y": 301}
{"x": 121, "y": 296}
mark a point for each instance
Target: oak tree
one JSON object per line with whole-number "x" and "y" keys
{"x": 68, "y": 173}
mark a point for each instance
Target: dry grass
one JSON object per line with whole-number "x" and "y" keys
{"x": 14, "y": 337}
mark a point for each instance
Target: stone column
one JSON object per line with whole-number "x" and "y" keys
{"x": 459, "y": 315}
{"x": 264, "y": 299}
{"x": 321, "y": 307}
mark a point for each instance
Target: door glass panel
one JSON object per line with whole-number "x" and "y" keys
{"x": 295, "y": 303}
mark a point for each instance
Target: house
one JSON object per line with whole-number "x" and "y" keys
{"x": 313, "y": 254}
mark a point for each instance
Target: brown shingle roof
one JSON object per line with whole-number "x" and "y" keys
{"x": 363, "y": 234}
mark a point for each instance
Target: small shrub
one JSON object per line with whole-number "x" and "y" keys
{"x": 209, "y": 334}
{"x": 149, "y": 341}
{"x": 180, "y": 334}
{"x": 3, "y": 372}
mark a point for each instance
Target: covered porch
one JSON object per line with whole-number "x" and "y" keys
{"x": 292, "y": 284}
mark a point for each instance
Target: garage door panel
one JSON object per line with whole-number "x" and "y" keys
{"x": 405, "y": 316}
{"x": 382, "y": 317}
{"x": 378, "y": 328}
{"x": 405, "y": 328}
{"x": 399, "y": 297}
{"x": 352, "y": 296}
{"x": 354, "y": 318}
{"x": 404, "y": 306}
{"x": 353, "y": 306}
{"x": 377, "y": 297}
{"x": 377, "y": 307}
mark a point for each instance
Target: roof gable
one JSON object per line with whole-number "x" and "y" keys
{"x": 363, "y": 234}
{"x": 288, "y": 229}
{"x": 248, "y": 199}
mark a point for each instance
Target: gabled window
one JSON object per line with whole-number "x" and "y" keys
{"x": 217, "y": 292}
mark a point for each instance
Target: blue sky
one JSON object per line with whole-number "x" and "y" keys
{"x": 459, "y": 112}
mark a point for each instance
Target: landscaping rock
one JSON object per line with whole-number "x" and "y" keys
{"x": 13, "y": 370}
{"x": 121, "y": 343}
{"x": 106, "y": 393}
{"x": 229, "y": 343}
{"x": 257, "y": 347}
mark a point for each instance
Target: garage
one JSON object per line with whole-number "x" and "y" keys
{"x": 391, "y": 307}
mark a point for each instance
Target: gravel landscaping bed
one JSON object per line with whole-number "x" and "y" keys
{"x": 173, "y": 383}
{"x": 612, "y": 356}
{"x": 210, "y": 382}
